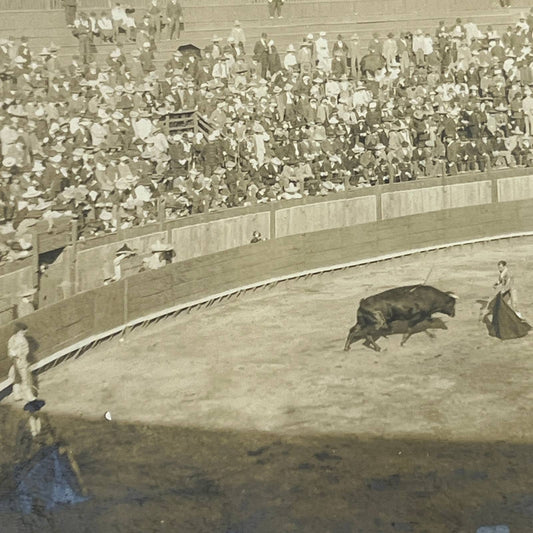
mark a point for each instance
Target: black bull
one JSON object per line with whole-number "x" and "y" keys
{"x": 401, "y": 310}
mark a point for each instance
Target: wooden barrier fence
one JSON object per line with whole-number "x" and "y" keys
{"x": 232, "y": 266}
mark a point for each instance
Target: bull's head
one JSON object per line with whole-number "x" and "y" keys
{"x": 449, "y": 308}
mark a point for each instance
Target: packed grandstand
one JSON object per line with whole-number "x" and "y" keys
{"x": 92, "y": 139}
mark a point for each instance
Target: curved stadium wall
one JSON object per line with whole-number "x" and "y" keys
{"x": 305, "y": 237}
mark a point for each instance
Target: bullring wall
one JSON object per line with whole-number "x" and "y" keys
{"x": 305, "y": 234}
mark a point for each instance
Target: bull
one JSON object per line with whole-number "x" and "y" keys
{"x": 411, "y": 306}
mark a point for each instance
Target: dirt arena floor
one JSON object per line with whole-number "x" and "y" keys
{"x": 248, "y": 417}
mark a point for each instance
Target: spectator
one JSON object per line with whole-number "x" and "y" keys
{"x": 419, "y": 46}
{"x": 162, "y": 255}
{"x": 93, "y": 25}
{"x": 261, "y": 50}
{"x": 390, "y": 50}
{"x": 274, "y": 8}
{"x": 174, "y": 18}
{"x": 154, "y": 12}
{"x": 26, "y": 305}
{"x": 238, "y": 35}
{"x": 322, "y": 53}
{"x": 290, "y": 62}
{"x": 82, "y": 31}
{"x": 118, "y": 17}
{"x": 70, "y": 11}
{"x": 105, "y": 27}
{"x": 256, "y": 237}
{"x": 354, "y": 56}
{"x": 121, "y": 255}
{"x": 130, "y": 26}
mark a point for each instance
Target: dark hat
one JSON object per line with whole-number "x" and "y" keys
{"x": 34, "y": 405}
{"x": 20, "y": 326}
{"x": 125, "y": 250}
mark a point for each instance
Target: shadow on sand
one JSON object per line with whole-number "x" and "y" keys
{"x": 179, "y": 479}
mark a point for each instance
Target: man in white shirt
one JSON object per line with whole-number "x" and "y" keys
{"x": 418, "y": 47}
{"x": 118, "y": 17}
{"x": 322, "y": 53}
{"x": 527, "y": 107}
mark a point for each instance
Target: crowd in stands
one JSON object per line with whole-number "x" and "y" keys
{"x": 87, "y": 138}
{"x": 120, "y": 24}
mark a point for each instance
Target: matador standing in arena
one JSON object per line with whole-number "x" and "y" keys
{"x": 504, "y": 285}
{"x": 505, "y": 322}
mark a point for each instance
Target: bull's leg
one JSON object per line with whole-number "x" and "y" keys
{"x": 371, "y": 343}
{"x": 413, "y": 322}
{"x": 406, "y": 336}
{"x": 430, "y": 334}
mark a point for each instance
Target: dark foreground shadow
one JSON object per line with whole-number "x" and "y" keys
{"x": 153, "y": 478}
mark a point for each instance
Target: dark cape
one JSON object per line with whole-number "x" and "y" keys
{"x": 505, "y": 323}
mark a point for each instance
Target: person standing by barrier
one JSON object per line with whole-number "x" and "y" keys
{"x": 70, "y": 11}
{"x": 18, "y": 350}
{"x": 26, "y": 304}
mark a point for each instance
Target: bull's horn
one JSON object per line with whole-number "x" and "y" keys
{"x": 453, "y": 295}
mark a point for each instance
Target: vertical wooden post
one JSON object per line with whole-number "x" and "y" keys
{"x": 377, "y": 196}
{"x": 125, "y": 300}
{"x": 272, "y": 221}
{"x": 73, "y": 267}
{"x": 35, "y": 261}
{"x": 494, "y": 181}
{"x": 161, "y": 212}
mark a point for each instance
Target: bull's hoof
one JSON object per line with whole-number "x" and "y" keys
{"x": 346, "y": 348}
{"x": 377, "y": 348}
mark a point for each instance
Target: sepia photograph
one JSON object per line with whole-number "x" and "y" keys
{"x": 266, "y": 266}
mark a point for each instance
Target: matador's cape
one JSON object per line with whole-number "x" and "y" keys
{"x": 505, "y": 323}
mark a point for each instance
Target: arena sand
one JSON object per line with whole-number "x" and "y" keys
{"x": 249, "y": 417}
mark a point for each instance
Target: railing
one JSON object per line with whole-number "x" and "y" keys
{"x": 180, "y": 121}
